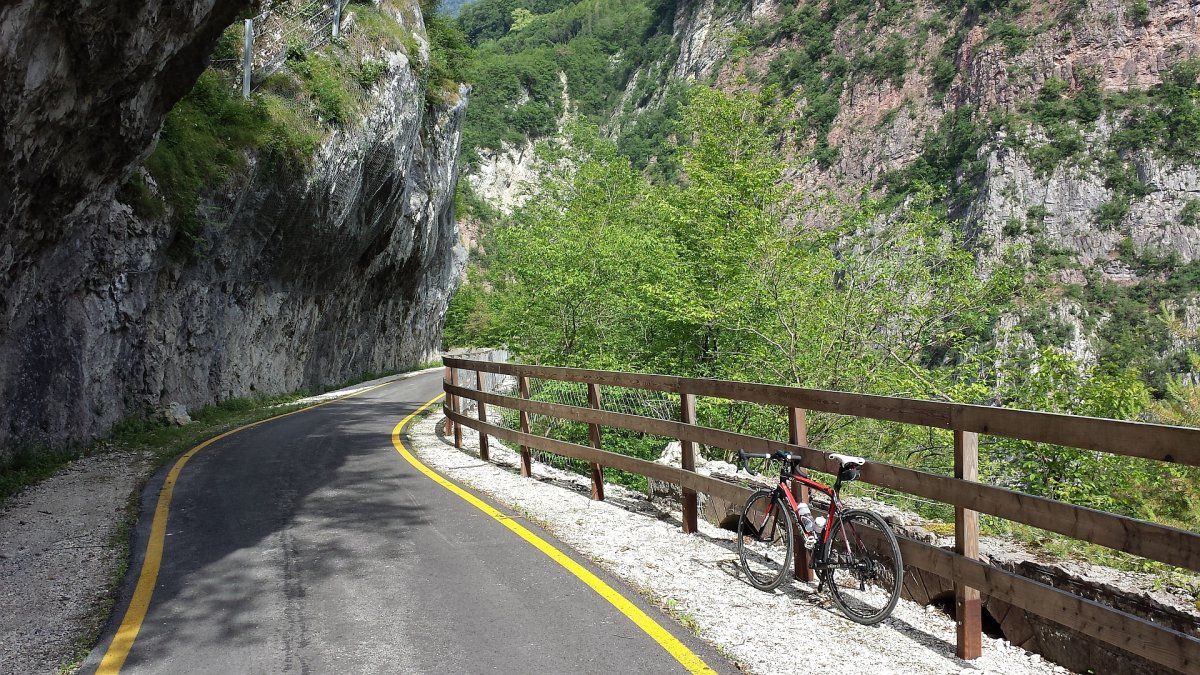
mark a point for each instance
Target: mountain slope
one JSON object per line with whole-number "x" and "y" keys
{"x": 1067, "y": 134}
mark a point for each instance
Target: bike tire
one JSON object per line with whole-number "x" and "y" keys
{"x": 878, "y": 565}
{"x": 766, "y": 562}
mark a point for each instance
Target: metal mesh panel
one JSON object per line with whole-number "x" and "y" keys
{"x": 659, "y": 405}
{"x": 278, "y": 25}
{"x": 310, "y": 24}
{"x": 563, "y": 393}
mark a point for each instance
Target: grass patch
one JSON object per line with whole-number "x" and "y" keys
{"x": 325, "y": 78}
{"x": 138, "y": 195}
{"x": 32, "y": 465}
{"x": 206, "y": 139}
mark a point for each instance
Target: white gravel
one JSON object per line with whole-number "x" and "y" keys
{"x": 696, "y": 577}
{"x": 59, "y": 559}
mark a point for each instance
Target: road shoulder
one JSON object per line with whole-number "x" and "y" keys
{"x": 63, "y": 547}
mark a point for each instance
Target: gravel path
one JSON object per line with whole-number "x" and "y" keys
{"x": 60, "y": 555}
{"x": 695, "y": 577}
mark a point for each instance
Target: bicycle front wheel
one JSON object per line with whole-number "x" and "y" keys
{"x": 862, "y": 567}
{"x": 765, "y": 533}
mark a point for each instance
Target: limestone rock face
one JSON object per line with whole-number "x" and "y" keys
{"x": 301, "y": 281}
{"x": 1071, "y": 195}
{"x": 83, "y": 91}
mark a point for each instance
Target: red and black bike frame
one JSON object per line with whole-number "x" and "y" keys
{"x": 834, "y": 502}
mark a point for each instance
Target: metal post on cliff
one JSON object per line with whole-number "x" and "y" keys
{"x": 247, "y": 58}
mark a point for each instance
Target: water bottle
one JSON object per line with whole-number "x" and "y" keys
{"x": 806, "y": 519}
{"x": 807, "y": 524}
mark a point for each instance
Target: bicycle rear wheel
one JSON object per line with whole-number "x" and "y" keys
{"x": 765, "y": 533}
{"x": 862, "y": 567}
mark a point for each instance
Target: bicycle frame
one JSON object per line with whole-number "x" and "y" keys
{"x": 835, "y": 502}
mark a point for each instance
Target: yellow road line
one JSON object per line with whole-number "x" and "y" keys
{"x": 674, "y": 647}
{"x": 131, "y": 624}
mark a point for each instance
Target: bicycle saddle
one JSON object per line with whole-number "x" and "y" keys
{"x": 848, "y": 460}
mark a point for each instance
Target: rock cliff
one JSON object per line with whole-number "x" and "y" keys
{"x": 304, "y": 278}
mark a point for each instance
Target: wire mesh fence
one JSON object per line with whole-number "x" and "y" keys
{"x": 280, "y": 27}
{"x": 657, "y": 405}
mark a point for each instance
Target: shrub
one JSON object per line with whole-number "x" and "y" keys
{"x": 1190, "y": 215}
{"x": 1112, "y": 212}
{"x": 1013, "y": 37}
{"x": 890, "y": 63}
{"x": 296, "y": 49}
{"x": 1139, "y": 12}
{"x": 370, "y": 71}
{"x": 943, "y": 73}
{"x": 325, "y": 80}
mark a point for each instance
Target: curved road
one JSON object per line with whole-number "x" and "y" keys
{"x": 309, "y": 544}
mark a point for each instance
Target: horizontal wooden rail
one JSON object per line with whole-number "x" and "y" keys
{"x": 1164, "y": 646}
{"x": 668, "y": 474}
{"x": 1151, "y": 540}
{"x": 1132, "y": 439}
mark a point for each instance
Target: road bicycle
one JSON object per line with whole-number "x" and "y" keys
{"x": 854, "y": 552}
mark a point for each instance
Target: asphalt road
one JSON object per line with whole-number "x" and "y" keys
{"x": 308, "y": 544}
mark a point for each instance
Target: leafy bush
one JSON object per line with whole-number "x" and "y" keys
{"x": 888, "y": 64}
{"x": 949, "y": 157}
{"x": 1139, "y": 12}
{"x": 297, "y": 50}
{"x": 449, "y": 57}
{"x": 944, "y": 71}
{"x": 1012, "y": 36}
{"x": 1189, "y": 216}
{"x": 325, "y": 79}
{"x": 370, "y": 71}
{"x": 1111, "y": 213}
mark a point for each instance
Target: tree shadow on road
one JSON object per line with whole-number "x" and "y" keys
{"x": 263, "y": 515}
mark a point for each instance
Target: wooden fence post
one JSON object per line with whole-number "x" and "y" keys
{"x": 798, "y": 435}
{"x": 448, "y": 375}
{"x": 594, "y": 433}
{"x": 482, "y": 407}
{"x": 456, "y": 406}
{"x": 687, "y": 415}
{"x": 966, "y": 543}
{"x": 526, "y": 459}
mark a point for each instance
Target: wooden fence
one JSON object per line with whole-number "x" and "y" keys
{"x": 1162, "y": 645}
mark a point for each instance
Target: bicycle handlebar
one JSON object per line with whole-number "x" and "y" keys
{"x": 744, "y": 456}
